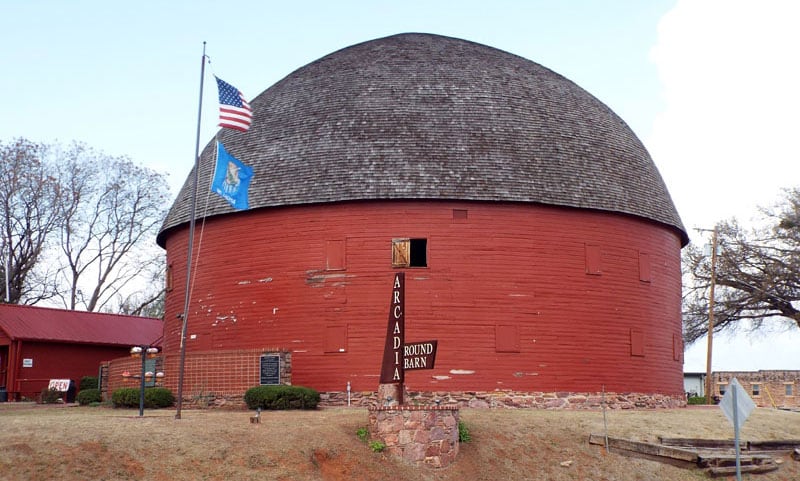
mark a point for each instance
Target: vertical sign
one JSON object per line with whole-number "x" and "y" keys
{"x": 392, "y": 367}
{"x": 150, "y": 366}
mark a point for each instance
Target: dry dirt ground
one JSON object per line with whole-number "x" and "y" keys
{"x": 99, "y": 443}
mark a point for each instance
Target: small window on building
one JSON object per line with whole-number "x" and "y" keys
{"x": 644, "y": 267}
{"x": 169, "y": 279}
{"x": 789, "y": 389}
{"x": 677, "y": 347}
{"x": 593, "y": 259}
{"x": 335, "y": 339}
{"x": 637, "y": 343}
{"x": 756, "y": 389}
{"x": 460, "y": 214}
{"x": 409, "y": 252}
{"x": 334, "y": 255}
{"x": 722, "y": 387}
{"x": 507, "y": 338}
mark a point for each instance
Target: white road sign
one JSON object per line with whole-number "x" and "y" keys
{"x": 741, "y": 406}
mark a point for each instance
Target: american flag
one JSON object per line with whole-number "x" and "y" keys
{"x": 234, "y": 112}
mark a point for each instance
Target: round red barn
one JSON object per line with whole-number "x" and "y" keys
{"x": 539, "y": 243}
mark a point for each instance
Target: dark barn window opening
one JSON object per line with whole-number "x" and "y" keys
{"x": 419, "y": 253}
{"x": 409, "y": 252}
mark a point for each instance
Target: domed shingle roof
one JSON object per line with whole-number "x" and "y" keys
{"x": 420, "y": 116}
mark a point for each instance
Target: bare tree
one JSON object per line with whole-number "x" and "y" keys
{"x": 149, "y": 300}
{"x": 757, "y": 275}
{"x": 111, "y": 212}
{"x": 29, "y": 215}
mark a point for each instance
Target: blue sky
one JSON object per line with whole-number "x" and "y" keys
{"x": 710, "y": 86}
{"x": 124, "y": 77}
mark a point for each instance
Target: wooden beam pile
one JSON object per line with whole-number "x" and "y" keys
{"x": 716, "y": 456}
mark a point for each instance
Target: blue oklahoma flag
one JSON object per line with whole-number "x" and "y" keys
{"x": 231, "y": 178}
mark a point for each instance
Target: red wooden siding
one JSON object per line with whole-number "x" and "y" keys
{"x": 59, "y": 361}
{"x": 276, "y": 278}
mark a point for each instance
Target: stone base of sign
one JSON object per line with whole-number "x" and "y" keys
{"x": 390, "y": 394}
{"x": 419, "y": 435}
{"x": 514, "y": 400}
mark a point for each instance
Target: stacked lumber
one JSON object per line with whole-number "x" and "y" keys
{"x": 716, "y": 456}
{"x": 657, "y": 452}
{"x": 725, "y": 465}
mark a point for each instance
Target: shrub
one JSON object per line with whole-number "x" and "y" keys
{"x": 463, "y": 433}
{"x": 377, "y": 446}
{"x": 50, "y": 396}
{"x": 154, "y": 397}
{"x": 281, "y": 397}
{"x": 88, "y": 396}
{"x": 158, "y": 397}
{"x": 362, "y": 434}
{"x": 88, "y": 382}
{"x": 696, "y": 400}
{"x": 125, "y": 397}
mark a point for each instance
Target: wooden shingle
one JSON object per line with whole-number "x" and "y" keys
{"x": 420, "y": 116}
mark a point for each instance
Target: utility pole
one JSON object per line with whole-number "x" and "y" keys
{"x": 7, "y": 279}
{"x": 709, "y": 397}
{"x": 6, "y": 269}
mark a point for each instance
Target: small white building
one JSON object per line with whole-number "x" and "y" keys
{"x": 694, "y": 383}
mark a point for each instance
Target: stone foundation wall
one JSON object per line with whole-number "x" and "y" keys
{"x": 420, "y": 435}
{"x": 494, "y": 400}
{"x": 515, "y": 400}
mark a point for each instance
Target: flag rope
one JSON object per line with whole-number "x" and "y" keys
{"x": 202, "y": 224}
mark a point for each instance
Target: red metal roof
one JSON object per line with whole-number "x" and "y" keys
{"x": 59, "y": 325}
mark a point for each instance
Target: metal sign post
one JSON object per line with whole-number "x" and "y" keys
{"x": 737, "y": 406}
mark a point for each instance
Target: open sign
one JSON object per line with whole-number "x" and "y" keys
{"x": 60, "y": 385}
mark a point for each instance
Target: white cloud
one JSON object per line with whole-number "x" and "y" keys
{"x": 767, "y": 350}
{"x": 730, "y": 77}
{"x": 725, "y": 141}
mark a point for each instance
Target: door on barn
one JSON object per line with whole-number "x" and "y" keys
{"x": 3, "y": 373}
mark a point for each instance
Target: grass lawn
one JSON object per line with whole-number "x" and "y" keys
{"x": 100, "y": 443}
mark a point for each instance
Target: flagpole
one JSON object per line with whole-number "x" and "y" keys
{"x": 185, "y": 315}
